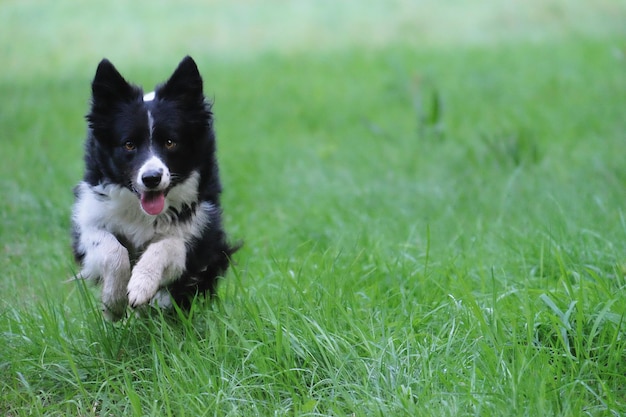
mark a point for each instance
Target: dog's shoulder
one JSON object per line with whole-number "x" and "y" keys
{"x": 111, "y": 208}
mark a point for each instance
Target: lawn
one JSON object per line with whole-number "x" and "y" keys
{"x": 431, "y": 197}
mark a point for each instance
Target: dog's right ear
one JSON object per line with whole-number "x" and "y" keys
{"x": 184, "y": 86}
{"x": 109, "y": 86}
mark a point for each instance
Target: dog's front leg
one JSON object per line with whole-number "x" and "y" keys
{"x": 162, "y": 263}
{"x": 107, "y": 259}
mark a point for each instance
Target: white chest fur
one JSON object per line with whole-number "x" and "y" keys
{"x": 116, "y": 209}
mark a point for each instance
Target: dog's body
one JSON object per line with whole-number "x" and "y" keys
{"x": 147, "y": 216}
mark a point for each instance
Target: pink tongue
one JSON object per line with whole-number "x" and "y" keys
{"x": 153, "y": 202}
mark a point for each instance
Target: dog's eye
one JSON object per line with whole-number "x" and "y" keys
{"x": 170, "y": 144}
{"x": 130, "y": 146}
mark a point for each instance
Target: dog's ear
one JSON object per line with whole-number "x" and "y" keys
{"x": 185, "y": 84}
{"x": 109, "y": 91}
{"x": 109, "y": 86}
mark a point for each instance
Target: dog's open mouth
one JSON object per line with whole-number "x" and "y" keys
{"x": 152, "y": 202}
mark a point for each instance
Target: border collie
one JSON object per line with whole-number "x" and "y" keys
{"x": 147, "y": 218}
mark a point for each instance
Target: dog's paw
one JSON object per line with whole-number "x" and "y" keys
{"x": 162, "y": 299}
{"x": 114, "y": 311}
{"x": 141, "y": 289}
{"x": 84, "y": 274}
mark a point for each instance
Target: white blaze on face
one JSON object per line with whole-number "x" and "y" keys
{"x": 153, "y": 178}
{"x": 150, "y": 124}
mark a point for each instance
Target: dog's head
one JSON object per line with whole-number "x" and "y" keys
{"x": 148, "y": 144}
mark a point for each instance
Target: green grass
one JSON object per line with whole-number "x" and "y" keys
{"x": 431, "y": 228}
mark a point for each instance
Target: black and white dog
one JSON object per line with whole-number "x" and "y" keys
{"x": 147, "y": 217}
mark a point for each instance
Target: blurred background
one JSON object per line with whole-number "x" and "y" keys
{"x": 41, "y": 38}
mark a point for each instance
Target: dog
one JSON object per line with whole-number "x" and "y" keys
{"x": 147, "y": 220}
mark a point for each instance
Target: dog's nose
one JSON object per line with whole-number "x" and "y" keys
{"x": 152, "y": 178}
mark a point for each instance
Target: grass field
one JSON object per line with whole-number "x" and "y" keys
{"x": 431, "y": 197}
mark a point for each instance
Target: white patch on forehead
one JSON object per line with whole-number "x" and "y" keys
{"x": 147, "y": 98}
{"x": 150, "y": 124}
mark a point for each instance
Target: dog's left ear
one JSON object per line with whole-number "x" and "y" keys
{"x": 185, "y": 84}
